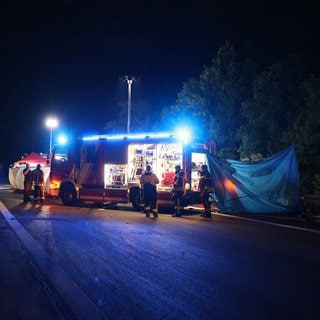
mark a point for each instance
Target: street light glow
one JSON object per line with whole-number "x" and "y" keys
{"x": 51, "y": 123}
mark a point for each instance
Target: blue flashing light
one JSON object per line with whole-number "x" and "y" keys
{"x": 184, "y": 136}
{"x": 91, "y": 138}
{"x": 62, "y": 140}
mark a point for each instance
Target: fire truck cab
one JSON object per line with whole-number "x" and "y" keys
{"x": 106, "y": 169}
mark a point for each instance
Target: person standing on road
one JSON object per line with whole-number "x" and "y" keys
{"x": 27, "y": 184}
{"x": 149, "y": 181}
{"x": 177, "y": 169}
{"x": 206, "y": 187}
{"x": 38, "y": 183}
{"x": 178, "y": 192}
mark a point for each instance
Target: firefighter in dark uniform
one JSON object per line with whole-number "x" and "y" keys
{"x": 149, "y": 181}
{"x": 178, "y": 192}
{"x": 27, "y": 172}
{"x": 206, "y": 187}
{"x": 177, "y": 169}
{"x": 38, "y": 184}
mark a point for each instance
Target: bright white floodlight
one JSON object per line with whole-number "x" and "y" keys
{"x": 51, "y": 123}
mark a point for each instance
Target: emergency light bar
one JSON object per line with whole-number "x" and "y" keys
{"x": 137, "y": 136}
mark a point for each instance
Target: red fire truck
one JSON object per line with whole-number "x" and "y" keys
{"x": 106, "y": 169}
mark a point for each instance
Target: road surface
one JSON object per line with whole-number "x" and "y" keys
{"x": 118, "y": 264}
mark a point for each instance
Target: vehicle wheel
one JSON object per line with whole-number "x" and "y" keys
{"x": 68, "y": 196}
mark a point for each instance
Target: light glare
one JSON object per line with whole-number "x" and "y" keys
{"x": 52, "y": 123}
{"x": 184, "y": 134}
{"x": 62, "y": 139}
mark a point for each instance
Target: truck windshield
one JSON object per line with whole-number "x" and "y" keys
{"x": 59, "y": 155}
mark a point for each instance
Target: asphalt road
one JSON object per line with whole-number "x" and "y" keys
{"x": 118, "y": 264}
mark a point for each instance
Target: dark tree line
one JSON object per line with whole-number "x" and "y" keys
{"x": 250, "y": 113}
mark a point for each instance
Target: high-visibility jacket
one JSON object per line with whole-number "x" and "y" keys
{"x": 149, "y": 178}
{"x": 38, "y": 177}
{"x": 205, "y": 183}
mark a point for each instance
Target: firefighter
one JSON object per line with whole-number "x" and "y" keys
{"x": 149, "y": 181}
{"x": 206, "y": 187}
{"x": 177, "y": 169}
{"x": 27, "y": 172}
{"x": 38, "y": 184}
{"x": 178, "y": 192}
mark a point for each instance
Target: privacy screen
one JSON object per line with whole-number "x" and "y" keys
{"x": 267, "y": 186}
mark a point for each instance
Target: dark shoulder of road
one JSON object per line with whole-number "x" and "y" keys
{"x": 298, "y": 220}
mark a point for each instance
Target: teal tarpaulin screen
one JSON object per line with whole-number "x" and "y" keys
{"x": 266, "y": 186}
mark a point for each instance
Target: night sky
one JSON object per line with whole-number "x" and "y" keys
{"x": 66, "y": 57}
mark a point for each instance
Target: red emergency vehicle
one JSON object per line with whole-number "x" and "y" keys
{"x": 106, "y": 169}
